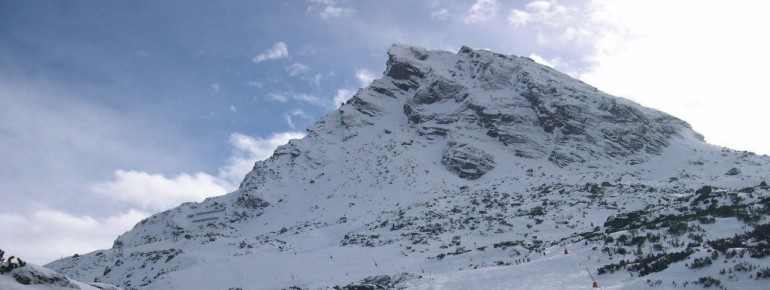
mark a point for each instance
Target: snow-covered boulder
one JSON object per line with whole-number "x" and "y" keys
{"x": 36, "y": 277}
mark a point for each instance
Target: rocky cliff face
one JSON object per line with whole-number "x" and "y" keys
{"x": 532, "y": 110}
{"x": 452, "y": 161}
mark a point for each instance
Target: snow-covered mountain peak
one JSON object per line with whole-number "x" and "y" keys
{"x": 450, "y": 161}
{"x": 532, "y": 110}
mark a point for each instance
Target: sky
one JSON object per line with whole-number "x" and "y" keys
{"x": 111, "y": 111}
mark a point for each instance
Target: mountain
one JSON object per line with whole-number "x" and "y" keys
{"x": 467, "y": 170}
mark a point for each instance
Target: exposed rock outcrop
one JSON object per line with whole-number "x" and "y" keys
{"x": 467, "y": 161}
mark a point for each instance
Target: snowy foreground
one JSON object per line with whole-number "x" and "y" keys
{"x": 559, "y": 271}
{"x": 34, "y": 277}
{"x": 467, "y": 170}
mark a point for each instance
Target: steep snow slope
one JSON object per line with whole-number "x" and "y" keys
{"x": 460, "y": 161}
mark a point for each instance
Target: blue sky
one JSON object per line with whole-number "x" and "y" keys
{"x": 113, "y": 110}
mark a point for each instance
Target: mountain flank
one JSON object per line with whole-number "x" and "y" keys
{"x": 467, "y": 169}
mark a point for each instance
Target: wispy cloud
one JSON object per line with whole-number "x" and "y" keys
{"x": 539, "y": 13}
{"x": 310, "y": 99}
{"x": 519, "y": 18}
{"x": 45, "y": 131}
{"x": 156, "y": 192}
{"x": 329, "y": 9}
{"x": 307, "y": 98}
{"x": 567, "y": 31}
{"x": 342, "y": 96}
{"x": 481, "y": 11}
{"x": 556, "y": 63}
{"x": 63, "y": 232}
{"x": 440, "y": 14}
{"x": 334, "y": 11}
{"x": 247, "y": 150}
{"x": 254, "y": 84}
{"x": 365, "y": 77}
{"x": 146, "y": 193}
{"x": 316, "y": 79}
{"x": 278, "y": 97}
{"x": 289, "y": 116}
{"x": 297, "y": 69}
{"x": 278, "y": 51}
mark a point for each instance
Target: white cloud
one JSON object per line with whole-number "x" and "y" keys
{"x": 64, "y": 141}
{"x": 541, "y": 60}
{"x": 539, "y": 5}
{"x": 66, "y": 233}
{"x": 342, "y": 96}
{"x": 215, "y": 87}
{"x": 570, "y": 32}
{"x": 278, "y": 51}
{"x": 62, "y": 232}
{"x": 301, "y": 97}
{"x": 294, "y": 113}
{"x": 233, "y": 109}
{"x": 441, "y": 14}
{"x": 481, "y": 11}
{"x": 52, "y": 144}
{"x": 316, "y": 80}
{"x": 155, "y": 192}
{"x": 574, "y": 34}
{"x": 365, "y": 77}
{"x": 297, "y": 68}
{"x": 519, "y": 17}
{"x": 308, "y": 50}
{"x": 248, "y": 150}
{"x": 546, "y": 13}
{"x": 329, "y": 9}
{"x": 334, "y": 11}
{"x": 255, "y": 84}
{"x": 556, "y": 63}
{"x": 709, "y": 70}
{"x": 310, "y": 99}
{"x": 278, "y": 97}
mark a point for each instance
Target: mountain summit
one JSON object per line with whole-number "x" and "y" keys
{"x": 466, "y": 170}
{"x": 532, "y": 110}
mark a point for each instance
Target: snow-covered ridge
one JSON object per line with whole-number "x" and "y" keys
{"x": 31, "y": 277}
{"x": 455, "y": 162}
